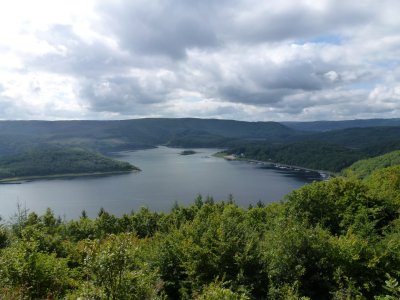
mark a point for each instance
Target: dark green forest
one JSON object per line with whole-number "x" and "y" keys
{"x": 335, "y": 239}
{"x": 45, "y": 161}
{"x": 309, "y": 154}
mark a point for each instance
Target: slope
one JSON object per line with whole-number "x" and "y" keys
{"x": 52, "y": 161}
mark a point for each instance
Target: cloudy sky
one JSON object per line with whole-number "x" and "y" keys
{"x": 239, "y": 59}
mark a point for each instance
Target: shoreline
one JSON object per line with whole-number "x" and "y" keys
{"x": 324, "y": 174}
{"x": 22, "y": 179}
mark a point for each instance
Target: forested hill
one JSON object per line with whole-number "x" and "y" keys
{"x": 337, "y": 125}
{"x": 44, "y": 161}
{"x": 105, "y": 136}
{"x": 335, "y": 239}
{"x": 374, "y": 140}
{"x": 364, "y": 168}
{"x": 329, "y": 150}
{"x": 309, "y": 154}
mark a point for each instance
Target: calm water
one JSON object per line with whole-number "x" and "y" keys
{"x": 166, "y": 177}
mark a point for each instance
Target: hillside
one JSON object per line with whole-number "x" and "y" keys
{"x": 337, "y": 125}
{"x": 106, "y": 136}
{"x": 308, "y": 154}
{"x": 331, "y": 150}
{"x": 372, "y": 139}
{"x": 52, "y": 161}
{"x": 363, "y": 168}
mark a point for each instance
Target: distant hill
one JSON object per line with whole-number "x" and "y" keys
{"x": 363, "y": 168}
{"x": 331, "y": 150}
{"x": 106, "y": 136}
{"x": 56, "y": 161}
{"x": 335, "y": 125}
{"x": 372, "y": 140}
{"x": 110, "y": 136}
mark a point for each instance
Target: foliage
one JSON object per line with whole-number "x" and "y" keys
{"x": 364, "y": 168}
{"x": 393, "y": 289}
{"x": 218, "y": 291}
{"x": 112, "y": 266}
{"x": 33, "y": 273}
{"x": 337, "y": 239}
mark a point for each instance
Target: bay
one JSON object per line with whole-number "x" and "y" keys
{"x": 166, "y": 177}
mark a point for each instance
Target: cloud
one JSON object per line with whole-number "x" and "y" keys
{"x": 79, "y": 56}
{"x": 121, "y": 94}
{"x": 332, "y": 76}
{"x": 242, "y": 59}
{"x": 163, "y": 27}
{"x": 171, "y": 28}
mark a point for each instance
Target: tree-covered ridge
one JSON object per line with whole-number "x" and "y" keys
{"x": 110, "y": 136}
{"x": 337, "y": 239}
{"x": 365, "y": 167}
{"x": 371, "y": 140}
{"x": 46, "y": 161}
{"x": 323, "y": 126}
{"x": 308, "y": 154}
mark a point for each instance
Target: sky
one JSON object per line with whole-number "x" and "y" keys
{"x": 251, "y": 60}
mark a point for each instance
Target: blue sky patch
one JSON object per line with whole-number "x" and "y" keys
{"x": 332, "y": 39}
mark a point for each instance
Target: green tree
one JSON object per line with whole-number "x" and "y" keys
{"x": 112, "y": 270}
{"x": 33, "y": 273}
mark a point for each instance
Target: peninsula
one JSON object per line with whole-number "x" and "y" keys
{"x": 53, "y": 162}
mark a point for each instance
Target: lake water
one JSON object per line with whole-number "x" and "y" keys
{"x": 166, "y": 177}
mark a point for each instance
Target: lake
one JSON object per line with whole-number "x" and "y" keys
{"x": 166, "y": 177}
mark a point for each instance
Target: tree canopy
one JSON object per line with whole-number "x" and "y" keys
{"x": 336, "y": 239}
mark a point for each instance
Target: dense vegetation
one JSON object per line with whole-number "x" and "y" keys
{"x": 46, "y": 161}
{"x": 365, "y": 167}
{"x": 336, "y": 239}
{"x": 313, "y": 155}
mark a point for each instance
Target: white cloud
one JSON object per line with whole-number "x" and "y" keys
{"x": 332, "y": 76}
{"x": 242, "y": 59}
